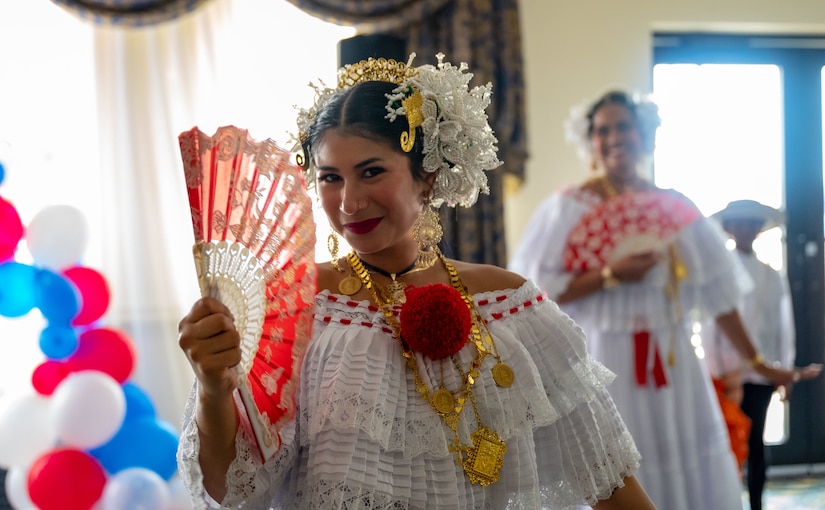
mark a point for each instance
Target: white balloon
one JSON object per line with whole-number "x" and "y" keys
{"x": 179, "y": 497}
{"x": 88, "y": 408}
{"x": 135, "y": 489}
{"x": 57, "y": 237}
{"x": 17, "y": 490}
{"x": 26, "y": 428}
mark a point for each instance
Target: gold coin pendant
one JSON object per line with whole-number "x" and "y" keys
{"x": 349, "y": 285}
{"x": 443, "y": 401}
{"x": 503, "y": 375}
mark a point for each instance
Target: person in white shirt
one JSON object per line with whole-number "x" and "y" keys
{"x": 767, "y": 314}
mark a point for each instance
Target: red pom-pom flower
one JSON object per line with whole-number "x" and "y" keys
{"x": 435, "y": 320}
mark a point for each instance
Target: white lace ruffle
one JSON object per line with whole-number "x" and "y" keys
{"x": 364, "y": 438}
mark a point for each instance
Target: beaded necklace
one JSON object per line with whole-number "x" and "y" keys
{"x": 486, "y": 455}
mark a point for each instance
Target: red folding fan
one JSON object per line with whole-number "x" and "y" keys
{"x": 255, "y": 251}
{"x": 625, "y": 224}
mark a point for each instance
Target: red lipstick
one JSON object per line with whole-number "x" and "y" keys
{"x": 363, "y": 227}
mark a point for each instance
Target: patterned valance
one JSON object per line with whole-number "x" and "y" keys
{"x": 132, "y": 13}
{"x": 371, "y": 16}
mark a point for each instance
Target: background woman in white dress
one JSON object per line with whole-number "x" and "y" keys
{"x": 635, "y": 311}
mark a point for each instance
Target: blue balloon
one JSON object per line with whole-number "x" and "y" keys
{"x": 58, "y": 342}
{"x": 57, "y": 297}
{"x": 2, "y": 172}
{"x": 141, "y": 442}
{"x": 18, "y": 292}
{"x": 138, "y": 403}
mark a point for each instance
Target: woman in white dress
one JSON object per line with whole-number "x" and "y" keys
{"x": 635, "y": 312}
{"x": 428, "y": 382}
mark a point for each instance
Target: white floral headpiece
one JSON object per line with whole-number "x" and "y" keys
{"x": 458, "y": 142}
{"x": 577, "y": 125}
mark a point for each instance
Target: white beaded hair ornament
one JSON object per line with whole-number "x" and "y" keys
{"x": 577, "y": 125}
{"x": 458, "y": 141}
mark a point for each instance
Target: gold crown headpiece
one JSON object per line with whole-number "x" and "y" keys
{"x": 372, "y": 69}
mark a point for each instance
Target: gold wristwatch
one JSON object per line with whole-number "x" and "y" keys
{"x": 609, "y": 280}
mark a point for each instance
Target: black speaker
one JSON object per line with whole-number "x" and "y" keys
{"x": 362, "y": 47}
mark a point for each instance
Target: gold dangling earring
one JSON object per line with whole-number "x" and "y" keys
{"x": 427, "y": 233}
{"x": 350, "y": 284}
{"x": 332, "y": 247}
{"x": 594, "y": 167}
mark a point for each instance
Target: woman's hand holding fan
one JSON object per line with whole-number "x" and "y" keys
{"x": 255, "y": 252}
{"x": 627, "y": 224}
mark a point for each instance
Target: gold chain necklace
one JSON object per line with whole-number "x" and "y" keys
{"x": 486, "y": 455}
{"x": 502, "y": 374}
{"x": 395, "y": 289}
{"x": 607, "y": 187}
{"x": 350, "y": 284}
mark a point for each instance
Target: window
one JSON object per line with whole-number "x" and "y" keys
{"x": 721, "y": 138}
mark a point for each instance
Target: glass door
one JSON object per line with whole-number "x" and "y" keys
{"x": 721, "y": 139}
{"x": 742, "y": 118}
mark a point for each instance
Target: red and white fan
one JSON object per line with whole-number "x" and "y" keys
{"x": 626, "y": 224}
{"x": 255, "y": 251}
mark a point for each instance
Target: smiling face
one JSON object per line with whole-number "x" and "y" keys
{"x": 368, "y": 192}
{"x": 616, "y": 141}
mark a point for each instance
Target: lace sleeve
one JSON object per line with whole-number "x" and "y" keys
{"x": 586, "y": 451}
{"x": 250, "y": 483}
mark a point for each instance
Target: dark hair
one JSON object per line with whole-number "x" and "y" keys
{"x": 362, "y": 111}
{"x": 621, "y": 98}
{"x": 613, "y": 97}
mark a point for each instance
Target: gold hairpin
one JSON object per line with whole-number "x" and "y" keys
{"x": 372, "y": 69}
{"x": 415, "y": 117}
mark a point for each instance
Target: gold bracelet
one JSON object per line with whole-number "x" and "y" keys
{"x": 609, "y": 280}
{"x": 757, "y": 360}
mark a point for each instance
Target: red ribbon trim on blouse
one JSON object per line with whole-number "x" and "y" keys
{"x": 641, "y": 348}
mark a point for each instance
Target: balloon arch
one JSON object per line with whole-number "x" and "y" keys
{"x": 82, "y": 435}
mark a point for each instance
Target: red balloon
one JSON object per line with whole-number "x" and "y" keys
{"x": 48, "y": 375}
{"x": 66, "y": 479}
{"x": 107, "y": 350}
{"x": 11, "y": 229}
{"x": 94, "y": 294}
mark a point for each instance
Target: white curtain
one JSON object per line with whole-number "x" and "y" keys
{"x": 244, "y": 63}
{"x": 151, "y": 83}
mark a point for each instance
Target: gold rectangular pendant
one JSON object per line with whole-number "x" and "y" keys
{"x": 485, "y": 458}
